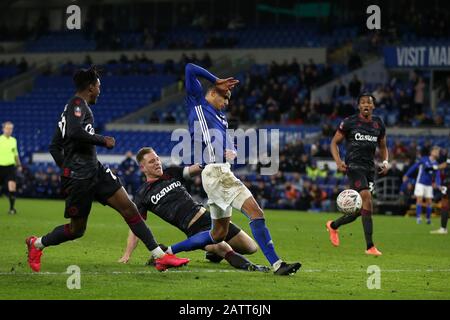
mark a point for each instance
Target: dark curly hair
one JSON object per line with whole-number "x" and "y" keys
{"x": 366, "y": 94}
{"x": 85, "y": 77}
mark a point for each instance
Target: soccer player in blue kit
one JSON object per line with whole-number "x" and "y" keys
{"x": 224, "y": 190}
{"x": 428, "y": 168}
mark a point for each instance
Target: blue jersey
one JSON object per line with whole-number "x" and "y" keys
{"x": 207, "y": 125}
{"x": 427, "y": 169}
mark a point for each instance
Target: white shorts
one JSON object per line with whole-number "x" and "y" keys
{"x": 423, "y": 191}
{"x": 224, "y": 190}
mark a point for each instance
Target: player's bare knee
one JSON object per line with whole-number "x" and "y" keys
{"x": 219, "y": 234}
{"x": 256, "y": 213}
{"x": 251, "y": 248}
{"x": 221, "y": 248}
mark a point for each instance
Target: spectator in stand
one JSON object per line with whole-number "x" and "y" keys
{"x": 128, "y": 169}
{"x": 404, "y": 106}
{"x": 291, "y": 196}
{"x": 304, "y": 200}
{"x": 419, "y": 96}
{"x": 317, "y": 196}
{"x": 399, "y": 151}
{"x": 444, "y": 92}
{"x": 354, "y": 87}
{"x": 339, "y": 89}
{"x": 394, "y": 171}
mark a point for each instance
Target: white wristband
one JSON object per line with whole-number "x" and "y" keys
{"x": 386, "y": 163}
{"x": 186, "y": 174}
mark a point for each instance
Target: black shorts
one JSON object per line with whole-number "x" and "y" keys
{"x": 80, "y": 193}
{"x": 7, "y": 173}
{"x": 204, "y": 224}
{"x": 361, "y": 179}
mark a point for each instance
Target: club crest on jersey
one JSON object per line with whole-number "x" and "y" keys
{"x": 223, "y": 120}
{"x": 77, "y": 112}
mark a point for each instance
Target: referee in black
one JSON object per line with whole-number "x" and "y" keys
{"x": 9, "y": 162}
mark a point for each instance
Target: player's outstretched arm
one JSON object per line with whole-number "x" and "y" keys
{"x": 411, "y": 170}
{"x": 438, "y": 178}
{"x": 132, "y": 243}
{"x": 193, "y": 85}
{"x": 334, "y": 149}
{"x": 194, "y": 170}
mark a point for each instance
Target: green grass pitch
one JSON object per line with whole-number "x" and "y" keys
{"x": 414, "y": 265}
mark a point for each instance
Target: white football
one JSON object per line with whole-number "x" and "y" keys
{"x": 349, "y": 201}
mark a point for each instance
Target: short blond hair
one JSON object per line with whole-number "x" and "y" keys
{"x": 142, "y": 152}
{"x": 4, "y": 124}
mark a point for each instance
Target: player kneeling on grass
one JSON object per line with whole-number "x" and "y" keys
{"x": 165, "y": 195}
{"x": 362, "y": 133}
{"x": 84, "y": 179}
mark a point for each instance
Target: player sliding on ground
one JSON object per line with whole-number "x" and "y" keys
{"x": 165, "y": 195}
{"x": 224, "y": 190}
{"x": 362, "y": 132}
{"x": 84, "y": 178}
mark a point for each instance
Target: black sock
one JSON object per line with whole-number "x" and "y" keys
{"x": 366, "y": 217}
{"x": 12, "y": 200}
{"x": 237, "y": 260}
{"x": 343, "y": 220}
{"x": 444, "y": 218}
{"x": 140, "y": 229}
{"x": 59, "y": 235}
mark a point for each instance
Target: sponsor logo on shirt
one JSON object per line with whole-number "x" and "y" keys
{"x": 156, "y": 197}
{"x": 366, "y": 137}
{"x": 89, "y": 129}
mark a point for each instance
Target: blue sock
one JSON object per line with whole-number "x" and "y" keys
{"x": 418, "y": 210}
{"x": 197, "y": 241}
{"x": 264, "y": 240}
{"x": 429, "y": 210}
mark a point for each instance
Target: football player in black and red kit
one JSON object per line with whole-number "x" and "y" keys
{"x": 363, "y": 133}
{"x": 165, "y": 195}
{"x": 84, "y": 179}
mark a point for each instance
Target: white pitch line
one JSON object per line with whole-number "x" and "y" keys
{"x": 221, "y": 271}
